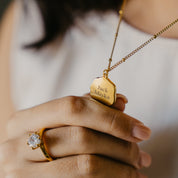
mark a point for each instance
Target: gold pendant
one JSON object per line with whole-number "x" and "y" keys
{"x": 103, "y": 90}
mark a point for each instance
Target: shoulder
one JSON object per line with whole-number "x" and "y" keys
{"x": 7, "y": 19}
{"x": 6, "y": 30}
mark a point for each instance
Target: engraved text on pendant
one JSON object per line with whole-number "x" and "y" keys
{"x": 103, "y": 90}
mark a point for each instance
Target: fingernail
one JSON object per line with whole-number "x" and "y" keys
{"x": 119, "y": 104}
{"x": 141, "y": 132}
{"x": 145, "y": 159}
{"x": 124, "y": 98}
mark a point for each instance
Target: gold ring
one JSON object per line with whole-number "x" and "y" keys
{"x": 36, "y": 140}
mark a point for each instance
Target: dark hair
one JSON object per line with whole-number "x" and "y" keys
{"x": 59, "y": 15}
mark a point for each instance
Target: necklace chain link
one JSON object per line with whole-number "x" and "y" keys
{"x": 121, "y": 13}
{"x": 110, "y": 68}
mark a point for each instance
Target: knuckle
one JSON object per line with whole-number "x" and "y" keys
{"x": 80, "y": 137}
{"x": 14, "y": 115}
{"x": 3, "y": 154}
{"x": 113, "y": 121}
{"x": 118, "y": 125}
{"x": 11, "y": 125}
{"x": 75, "y": 104}
{"x": 132, "y": 173}
{"x": 6, "y": 151}
{"x": 13, "y": 174}
{"x": 133, "y": 153}
{"x": 88, "y": 165}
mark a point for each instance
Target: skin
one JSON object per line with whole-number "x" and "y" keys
{"x": 82, "y": 148}
{"x": 6, "y": 105}
{"x": 151, "y": 16}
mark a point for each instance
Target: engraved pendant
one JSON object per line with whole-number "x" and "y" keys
{"x": 103, "y": 90}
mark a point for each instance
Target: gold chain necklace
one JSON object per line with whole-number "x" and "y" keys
{"x": 103, "y": 89}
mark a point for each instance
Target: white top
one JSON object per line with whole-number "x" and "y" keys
{"x": 149, "y": 79}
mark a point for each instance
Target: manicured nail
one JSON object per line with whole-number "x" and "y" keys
{"x": 145, "y": 159}
{"x": 124, "y": 98}
{"x": 119, "y": 104}
{"x": 141, "y": 132}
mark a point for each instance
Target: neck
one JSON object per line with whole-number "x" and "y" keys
{"x": 151, "y": 16}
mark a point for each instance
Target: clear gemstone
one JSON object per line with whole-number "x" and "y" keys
{"x": 34, "y": 141}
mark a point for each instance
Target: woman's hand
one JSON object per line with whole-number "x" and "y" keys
{"x": 87, "y": 139}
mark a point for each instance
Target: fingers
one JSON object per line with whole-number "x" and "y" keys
{"x": 119, "y": 104}
{"x": 86, "y": 165}
{"x": 89, "y": 166}
{"x": 79, "y": 111}
{"x": 68, "y": 141}
{"x": 124, "y": 98}
{"x": 121, "y": 100}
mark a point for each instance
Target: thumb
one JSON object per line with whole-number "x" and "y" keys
{"x": 120, "y": 103}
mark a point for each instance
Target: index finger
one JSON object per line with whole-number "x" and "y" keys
{"x": 78, "y": 111}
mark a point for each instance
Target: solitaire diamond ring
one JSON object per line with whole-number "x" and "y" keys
{"x": 36, "y": 140}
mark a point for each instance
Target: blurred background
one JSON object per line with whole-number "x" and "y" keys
{"x": 3, "y": 6}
